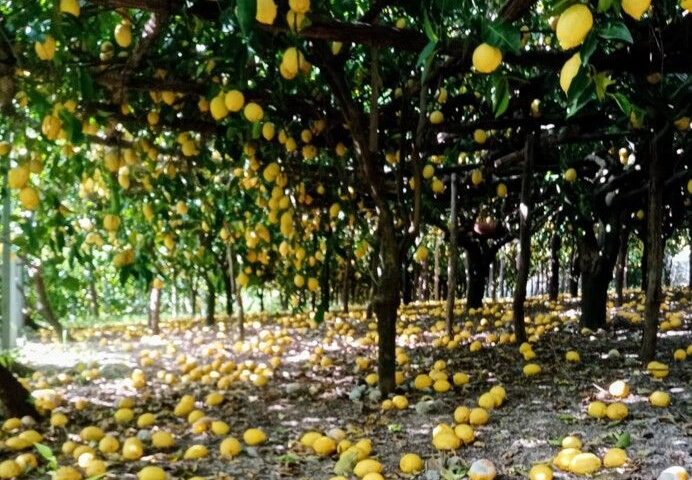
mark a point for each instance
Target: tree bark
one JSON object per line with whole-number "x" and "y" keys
{"x": 44, "y": 306}
{"x": 621, "y": 267}
{"x": 193, "y": 296}
{"x": 211, "y": 300}
{"x": 93, "y": 294}
{"x": 524, "y": 259}
{"x": 345, "y": 284}
{"x": 237, "y": 290}
{"x": 644, "y": 262}
{"x": 554, "y": 287}
{"x": 501, "y": 277}
{"x": 479, "y": 267}
{"x": 452, "y": 256}
{"x": 154, "y": 310}
{"x": 386, "y": 302}
{"x": 226, "y": 270}
{"x": 660, "y": 156}
{"x": 574, "y": 272}
{"x": 15, "y": 398}
{"x": 436, "y": 269}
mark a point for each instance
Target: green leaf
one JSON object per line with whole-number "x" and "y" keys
{"x": 428, "y": 28}
{"x": 581, "y": 92}
{"x": 72, "y": 126}
{"x": 245, "y": 13}
{"x": 86, "y": 84}
{"x": 602, "y": 81}
{"x": 622, "y": 101}
{"x": 588, "y": 48}
{"x": 624, "y": 440}
{"x": 616, "y": 31}
{"x": 503, "y": 36}
{"x": 500, "y": 95}
{"x": 47, "y": 454}
{"x": 70, "y": 283}
{"x": 559, "y": 7}
{"x": 426, "y": 53}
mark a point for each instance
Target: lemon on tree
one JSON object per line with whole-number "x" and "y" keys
{"x": 266, "y": 11}
{"x": 569, "y": 70}
{"x": 573, "y": 26}
{"x": 635, "y": 8}
{"x": 486, "y": 58}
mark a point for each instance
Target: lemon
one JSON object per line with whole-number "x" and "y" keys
{"x": 151, "y": 473}
{"x": 254, "y": 436}
{"x": 91, "y": 434}
{"x": 679, "y": 355}
{"x": 619, "y": 389}
{"x": 324, "y": 446}
{"x": 58, "y": 420}
{"x": 531, "y": 369}
{"x": 614, "y": 458}
{"x": 123, "y": 34}
{"x": 657, "y": 369}
{"x": 253, "y": 112}
{"x": 573, "y": 26}
{"x": 217, "y": 107}
{"x": 486, "y": 58}
{"x": 268, "y": 131}
{"x": 266, "y": 11}
{"x": 572, "y": 356}
{"x": 569, "y": 71}
{"x": 596, "y": 409}
{"x": 18, "y": 177}
{"x": 659, "y": 399}
{"x": 367, "y": 466}
{"x": 67, "y": 473}
{"x": 635, "y": 8}
{"x": 234, "y": 100}
{"x": 616, "y": 411}
{"x": 132, "y": 449}
{"x": 584, "y": 464}
{"x": 299, "y": 6}
{"x": 570, "y": 175}
{"x": 446, "y": 441}
{"x": 462, "y": 414}
{"x": 571, "y": 441}
{"x": 70, "y": 6}
{"x": 410, "y": 463}
{"x": 478, "y": 416}
{"x": 476, "y": 176}
{"x": 465, "y": 433}
{"x": 109, "y": 444}
{"x": 195, "y": 452}
{"x": 480, "y": 136}
{"x": 482, "y": 470}
{"x": 501, "y": 190}
{"x": 10, "y": 469}
{"x": 230, "y": 447}
{"x": 428, "y": 171}
{"x": 162, "y": 439}
{"x": 437, "y": 117}
{"x": 45, "y": 50}
{"x": 674, "y": 473}
{"x": 686, "y": 5}
{"x": 487, "y": 401}
{"x": 5, "y": 148}
{"x": 563, "y": 459}
{"x": 541, "y": 472}
{"x": 291, "y": 63}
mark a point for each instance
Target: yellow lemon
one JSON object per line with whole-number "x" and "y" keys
{"x": 569, "y": 70}
{"x": 573, "y": 26}
{"x": 486, "y": 58}
{"x": 266, "y": 11}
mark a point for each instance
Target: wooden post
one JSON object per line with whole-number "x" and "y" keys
{"x": 6, "y": 269}
{"x": 452, "y": 255}
{"x": 621, "y": 266}
{"x": 524, "y": 260}
{"x": 554, "y": 287}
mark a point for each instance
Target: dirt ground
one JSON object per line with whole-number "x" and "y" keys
{"x": 302, "y": 395}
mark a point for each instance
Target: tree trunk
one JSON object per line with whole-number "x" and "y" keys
{"x": 211, "y": 300}
{"x": 93, "y": 294}
{"x": 554, "y": 287}
{"x": 345, "y": 284}
{"x": 325, "y": 273}
{"x": 661, "y": 156}
{"x": 436, "y": 269}
{"x": 689, "y": 260}
{"x": 193, "y": 296}
{"x": 154, "y": 310}
{"x": 594, "y": 299}
{"x": 15, "y": 398}
{"x": 501, "y": 277}
{"x": 44, "y": 306}
{"x": 386, "y": 302}
{"x": 237, "y": 289}
{"x": 574, "y": 272}
{"x": 226, "y": 270}
{"x": 621, "y": 267}
{"x": 524, "y": 259}
{"x": 407, "y": 282}
{"x": 452, "y": 256}
{"x": 477, "y": 278}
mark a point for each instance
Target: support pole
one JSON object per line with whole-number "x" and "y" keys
{"x": 452, "y": 256}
